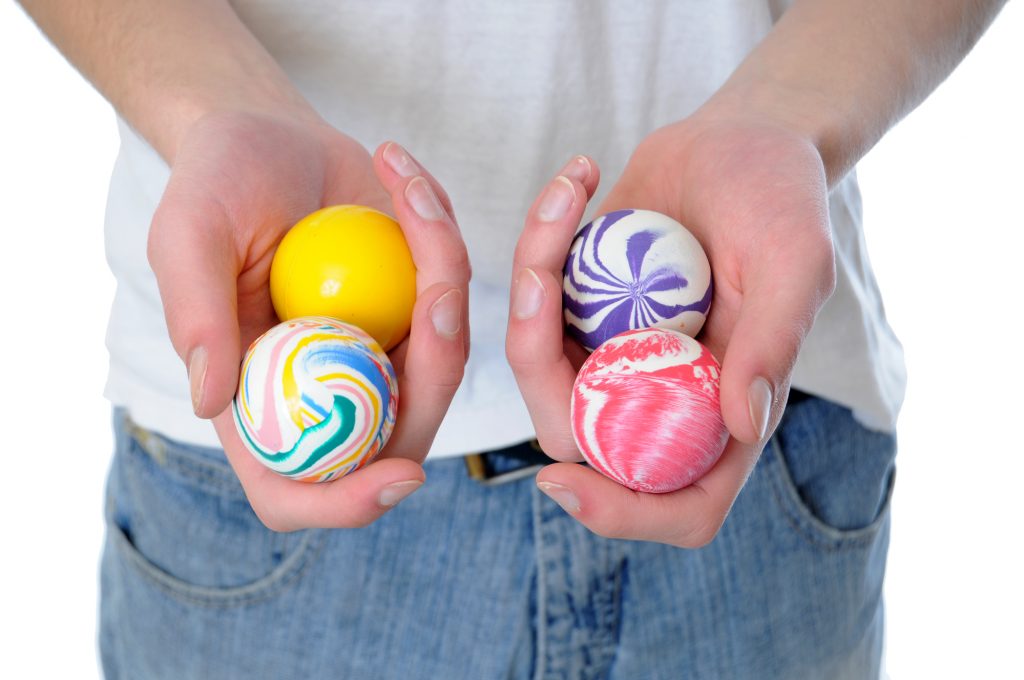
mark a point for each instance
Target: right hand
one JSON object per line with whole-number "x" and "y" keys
{"x": 239, "y": 181}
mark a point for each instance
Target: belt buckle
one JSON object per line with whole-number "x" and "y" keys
{"x": 478, "y": 469}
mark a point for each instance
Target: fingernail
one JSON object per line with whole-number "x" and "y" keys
{"x": 562, "y": 495}
{"x": 528, "y": 296}
{"x": 759, "y": 400}
{"x": 423, "y": 200}
{"x": 399, "y": 161}
{"x": 197, "y": 376}
{"x": 446, "y": 314}
{"x": 578, "y": 169}
{"x": 557, "y": 199}
{"x": 392, "y": 494}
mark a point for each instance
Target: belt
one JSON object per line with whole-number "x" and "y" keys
{"x": 501, "y": 466}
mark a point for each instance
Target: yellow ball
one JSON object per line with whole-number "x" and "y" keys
{"x": 351, "y": 263}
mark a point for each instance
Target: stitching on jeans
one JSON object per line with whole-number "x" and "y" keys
{"x": 616, "y": 608}
{"x": 295, "y": 564}
{"x": 540, "y": 662}
{"x": 813, "y": 529}
{"x": 816, "y": 531}
{"x": 173, "y": 458}
{"x": 223, "y": 598}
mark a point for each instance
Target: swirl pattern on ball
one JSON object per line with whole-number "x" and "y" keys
{"x": 646, "y": 410}
{"x": 317, "y": 399}
{"x": 634, "y": 269}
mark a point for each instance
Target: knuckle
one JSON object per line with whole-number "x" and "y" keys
{"x": 828, "y": 274}
{"x": 271, "y": 520}
{"x": 789, "y": 339}
{"x": 523, "y": 249}
{"x": 698, "y": 538}
{"x": 455, "y": 259}
{"x": 460, "y": 262}
{"x": 512, "y": 353}
{"x": 359, "y": 522}
{"x": 533, "y": 251}
{"x": 611, "y": 520}
{"x": 155, "y": 243}
{"x": 700, "y": 533}
{"x": 610, "y": 525}
{"x": 440, "y": 373}
{"x": 522, "y": 358}
{"x": 450, "y": 377}
{"x": 819, "y": 259}
{"x": 514, "y": 350}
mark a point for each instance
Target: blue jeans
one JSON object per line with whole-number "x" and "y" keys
{"x": 475, "y": 582}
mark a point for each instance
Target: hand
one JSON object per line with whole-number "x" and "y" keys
{"x": 238, "y": 183}
{"x": 754, "y": 195}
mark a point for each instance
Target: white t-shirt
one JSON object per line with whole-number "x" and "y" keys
{"x": 494, "y": 97}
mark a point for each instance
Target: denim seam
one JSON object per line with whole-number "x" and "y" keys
{"x": 214, "y": 478}
{"x": 204, "y": 480}
{"x": 540, "y": 663}
{"x": 224, "y": 598}
{"x": 196, "y": 471}
{"x": 805, "y": 523}
{"x": 616, "y": 614}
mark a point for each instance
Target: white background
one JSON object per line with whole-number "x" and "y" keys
{"x": 943, "y": 196}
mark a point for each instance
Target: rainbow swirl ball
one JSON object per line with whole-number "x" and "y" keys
{"x": 317, "y": 399}
{"x": 646, "y": 410}
{"x": 634, "y": 269}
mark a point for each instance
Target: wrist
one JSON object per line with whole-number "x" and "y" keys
{"x": 168, "y": 111}
{"x": 805, "y": 115}
{"x": 177, "y": 63}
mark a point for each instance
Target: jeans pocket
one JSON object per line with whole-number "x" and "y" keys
{"x": 831, "y": 476}
{"x": 179, "y": 517}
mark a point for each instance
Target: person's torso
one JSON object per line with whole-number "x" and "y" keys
{"x": 494, "y": 98}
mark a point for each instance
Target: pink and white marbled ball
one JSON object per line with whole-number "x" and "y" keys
{"x": 646, "y": 410}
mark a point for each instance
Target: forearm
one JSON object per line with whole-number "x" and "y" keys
{"x": 842, "y": 72}
{"x": 163, "y": 65}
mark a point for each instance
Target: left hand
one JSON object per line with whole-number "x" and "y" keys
{"x": 754, "y": 194}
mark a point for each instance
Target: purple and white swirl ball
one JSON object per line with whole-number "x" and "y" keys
{"x": 634, "y": 269}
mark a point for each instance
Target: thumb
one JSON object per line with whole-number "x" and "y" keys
{"x": 192, "y": 253}
{"x": 780, "y": 302}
